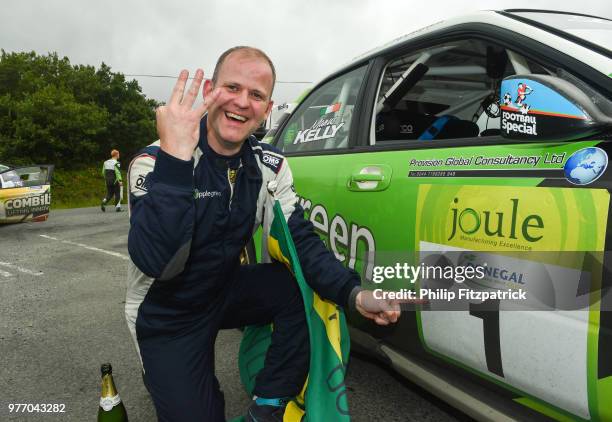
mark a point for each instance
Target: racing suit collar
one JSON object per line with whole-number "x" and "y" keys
{"x": 248, "y": 158}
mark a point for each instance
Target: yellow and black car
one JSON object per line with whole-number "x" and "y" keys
{"x": 25, "y": 193}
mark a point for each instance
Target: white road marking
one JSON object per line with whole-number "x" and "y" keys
{"x": 91, "y": 248}
{"x": 5, "y": 274}
{"x": 20, "y": 269}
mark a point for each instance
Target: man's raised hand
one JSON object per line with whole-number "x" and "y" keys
{"x": 178, "y": 123}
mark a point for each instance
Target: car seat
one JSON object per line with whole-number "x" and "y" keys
{"x": 400, "y": 125}
{"x": 457, "y": 128}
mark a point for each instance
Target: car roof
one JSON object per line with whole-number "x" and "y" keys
{"x": 506, "y": 19}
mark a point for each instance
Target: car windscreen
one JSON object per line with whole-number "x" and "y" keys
{"x": 10, "y": 179}
{"x": 25, "y": 176}
{"x": 592, "y": 29}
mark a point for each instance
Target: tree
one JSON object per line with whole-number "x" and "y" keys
{"x": 70, "y": 116}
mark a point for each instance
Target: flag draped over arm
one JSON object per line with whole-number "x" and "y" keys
{"x": 324, "y": 395}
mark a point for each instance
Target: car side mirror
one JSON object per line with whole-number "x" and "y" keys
{"x": 548, "y": 108}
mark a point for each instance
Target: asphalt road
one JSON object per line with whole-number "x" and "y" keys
{"x": 62, "y": 289}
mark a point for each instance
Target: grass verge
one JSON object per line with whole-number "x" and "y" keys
{"x": 79, "y": 188}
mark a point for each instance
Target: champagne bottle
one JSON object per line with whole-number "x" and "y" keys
{"x": 111, "y": 408}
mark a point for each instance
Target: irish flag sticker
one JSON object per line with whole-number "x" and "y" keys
{"x": 333, "y": 108}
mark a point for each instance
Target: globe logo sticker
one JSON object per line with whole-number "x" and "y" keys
{"x": 585, "y": 165}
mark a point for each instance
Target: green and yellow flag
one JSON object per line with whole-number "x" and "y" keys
{"x": 324, "y": 396}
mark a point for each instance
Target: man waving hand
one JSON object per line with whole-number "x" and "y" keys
{"x": 196, "y": 198}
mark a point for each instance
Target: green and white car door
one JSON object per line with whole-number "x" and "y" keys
{"x": 543, "y": 232}
{"x": 318, "y": 130}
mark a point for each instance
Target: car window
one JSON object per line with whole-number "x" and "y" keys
{"x": 269, "y": 136}
{"x": 322, "y": 122}
{"x": 24, "y": 177}
{"x": 447, "y": 91}
{"x": 10, "y": 179}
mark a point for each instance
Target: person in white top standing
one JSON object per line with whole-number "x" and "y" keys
{"x": 112, "y": 174}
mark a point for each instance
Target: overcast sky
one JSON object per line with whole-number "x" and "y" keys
{"x": 305, "y": 39}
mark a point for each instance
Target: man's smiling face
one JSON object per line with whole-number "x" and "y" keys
{"x": 245, "y": 83}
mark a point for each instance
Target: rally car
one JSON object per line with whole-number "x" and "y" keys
{"x": 482, "y": 139}
{"x": 25, "y": 193}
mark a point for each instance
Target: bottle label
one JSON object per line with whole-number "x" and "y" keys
{"x": 107, "y": 403}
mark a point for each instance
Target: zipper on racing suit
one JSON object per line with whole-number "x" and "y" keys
{"x": 232, "y": 174}
{"x": 232, "y": 177}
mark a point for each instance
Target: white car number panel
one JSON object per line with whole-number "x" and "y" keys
{"x": 535, "y": 351}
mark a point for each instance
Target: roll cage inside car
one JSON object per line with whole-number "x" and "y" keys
{"x": 478, "y": 85}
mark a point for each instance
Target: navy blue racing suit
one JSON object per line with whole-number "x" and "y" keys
{"x": 189, "y": 221}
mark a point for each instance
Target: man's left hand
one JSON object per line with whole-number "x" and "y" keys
{"x": 382, "y": 311}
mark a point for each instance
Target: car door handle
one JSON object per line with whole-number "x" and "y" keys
{"x": 370, "y": 178}
{"x": 367, "y": 177}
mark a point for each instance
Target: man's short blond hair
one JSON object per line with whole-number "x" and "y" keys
{"x": 114, "y": 153}
{"x": 250, "y": 51}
